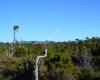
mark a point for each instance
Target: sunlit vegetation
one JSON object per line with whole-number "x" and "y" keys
{"x": 72, "y": 60}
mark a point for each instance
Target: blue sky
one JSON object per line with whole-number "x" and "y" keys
{"x": 58, "y": 20}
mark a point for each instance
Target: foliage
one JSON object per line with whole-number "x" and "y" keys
{"x": 72, "y": 60}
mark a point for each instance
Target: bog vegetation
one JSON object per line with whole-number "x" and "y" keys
{"x": 72, "y": 60}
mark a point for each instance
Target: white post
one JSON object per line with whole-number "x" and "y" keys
{"x": 36, "y": 64}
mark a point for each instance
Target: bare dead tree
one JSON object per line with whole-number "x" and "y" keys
{"x": 86, "y": 60}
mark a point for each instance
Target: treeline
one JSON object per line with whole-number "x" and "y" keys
{"x": 72, "y": 60}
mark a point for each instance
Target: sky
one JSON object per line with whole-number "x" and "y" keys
{"x": 57, "y": 20}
